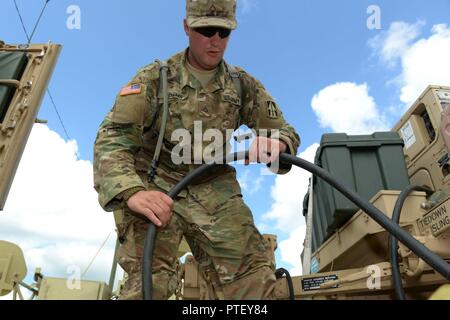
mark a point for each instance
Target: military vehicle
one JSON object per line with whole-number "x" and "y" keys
{"x": 346, "y": 253}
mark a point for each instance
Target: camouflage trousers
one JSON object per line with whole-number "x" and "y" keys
{"x": 230, "y": 251}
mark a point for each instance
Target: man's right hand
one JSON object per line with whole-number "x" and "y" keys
{"x": 154, "y": 205}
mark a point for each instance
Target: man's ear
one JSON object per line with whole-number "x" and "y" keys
{"x": 186, "y": 28}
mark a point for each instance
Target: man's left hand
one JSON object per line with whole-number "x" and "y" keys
{"x": 265, "y": 150}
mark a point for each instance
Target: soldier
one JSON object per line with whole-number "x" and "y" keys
{"x": 210, "y": 213}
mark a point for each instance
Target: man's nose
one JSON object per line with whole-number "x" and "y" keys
{"x": 216, "y": 38}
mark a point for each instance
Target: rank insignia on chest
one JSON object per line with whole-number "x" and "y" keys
{"x": 271, "y": 110}
{"x": 131, "y": 89}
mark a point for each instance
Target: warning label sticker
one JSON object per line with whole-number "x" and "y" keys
{"x": 408, "y": 135}
{"x": 437, "y": 220}
{"x": 310, "y": 284}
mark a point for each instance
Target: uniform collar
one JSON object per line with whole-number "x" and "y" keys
{"x": 186, "y": 79}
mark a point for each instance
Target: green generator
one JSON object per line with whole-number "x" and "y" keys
{"x": 364, "y": 163}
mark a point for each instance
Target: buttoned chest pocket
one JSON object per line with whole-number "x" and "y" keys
{"x": 230, "y": 107}
{"x": 176, "y": 101}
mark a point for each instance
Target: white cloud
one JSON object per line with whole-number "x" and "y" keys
{"x": 348, "y": 107}
{"x": 392, "y": 43}
{"x": 287, "y": 210}
{"x": 52, "y": 211}
{"x": 426, "y": 62}
{"x": 292, "y": 248}
{"x": 250, "y": 184}
{"x": 423, "y": 61}
{"x": 243, "y": 180}
{"x": 287, "y": 193}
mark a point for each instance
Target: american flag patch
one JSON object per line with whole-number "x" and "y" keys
{"x": 131, "y": 89}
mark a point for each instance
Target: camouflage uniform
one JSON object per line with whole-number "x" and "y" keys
{"x": 210, "y": 213}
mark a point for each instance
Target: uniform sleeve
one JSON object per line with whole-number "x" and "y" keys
{"x": 261, "y": 113}
{"x": 118, "y": 140}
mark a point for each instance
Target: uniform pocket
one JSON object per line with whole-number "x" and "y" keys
{"x": 232, "y": 104}
{"x": 123, "y": 221}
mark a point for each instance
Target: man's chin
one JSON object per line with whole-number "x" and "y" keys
{"x": 210, "y": 65}
{"x": 213, "y": 58}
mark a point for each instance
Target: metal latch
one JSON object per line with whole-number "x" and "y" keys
{"x": 442, "y": 161}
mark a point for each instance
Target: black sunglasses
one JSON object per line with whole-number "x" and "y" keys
{"x": 210, "y": 32}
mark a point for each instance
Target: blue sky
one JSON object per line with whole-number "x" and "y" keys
{"x": 294, "y": 47}
{"x": 300, "y": 50}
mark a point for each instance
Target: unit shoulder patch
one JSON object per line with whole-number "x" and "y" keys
{"x": 272, "y": 110}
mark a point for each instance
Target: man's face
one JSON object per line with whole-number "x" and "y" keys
{"x": 205, "y": 53}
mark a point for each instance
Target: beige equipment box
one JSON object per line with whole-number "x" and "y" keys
{"x": 69, "y": 289}
{"x": 361, "y": 241}
{"x": 24, "y": 75}
{"x": 425, "y": 128}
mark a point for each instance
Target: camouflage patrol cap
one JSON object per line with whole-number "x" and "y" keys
{"x": 211, "y": 13}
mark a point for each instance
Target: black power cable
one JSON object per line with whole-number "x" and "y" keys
{"x": 393, "y": 243}
{"x": 413, "y": 244}
{"x": 30, "y": 37}
{"x": 21, "y": 21}
{"x": 38, "y": 20}
{"x": 279, "y": 273}
{"x": 147, "y": 281}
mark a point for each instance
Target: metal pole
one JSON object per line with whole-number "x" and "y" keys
{"x": 112, "y": 276}
{"x": 308, "y": 236}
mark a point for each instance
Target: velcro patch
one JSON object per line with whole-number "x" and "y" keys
{"x": 131, "y": 89}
